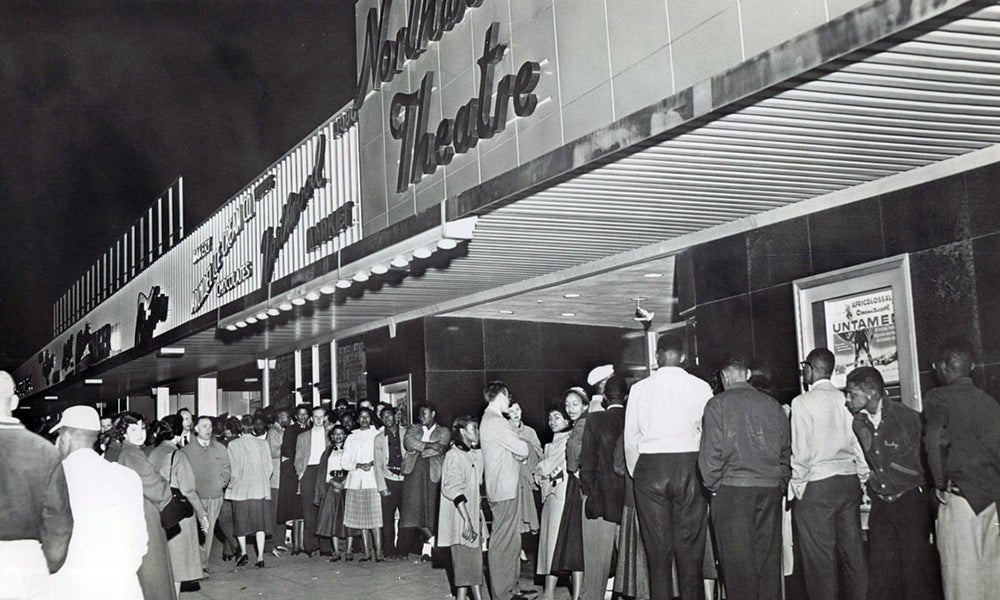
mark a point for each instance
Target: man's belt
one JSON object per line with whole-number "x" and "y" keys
{"x": 889, "y": 498}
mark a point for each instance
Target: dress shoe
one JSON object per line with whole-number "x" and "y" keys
{"x": 314, "y": 554}
{"x": 259, "y": 564}
{"x": 242, "y": 560}
{"x": 227, "y": 557}
{"x": 334, "y": 558}
{"x": 349, "y": 557}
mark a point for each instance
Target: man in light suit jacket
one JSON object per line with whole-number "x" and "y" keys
{"x": 426, "y": 443}
{"x": 394, "y": 458}
{"x": 309, "y": 448}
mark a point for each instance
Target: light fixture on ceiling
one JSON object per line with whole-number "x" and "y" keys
{"x": 312, "y": 296}
{"x": 380, "y": 269}
{"x": 286, "y": 306}
{"x": 343, "y": 283}
{"x": 505, "y": 312}
{"x": 251, "y": 320}
{"x": 326, "y": 290}
{"x": 361, "y": 276}
{"x": 652, "y": 275}
{"x": 571, "y": 295}
{"x": 567, "y": 314}
{"x": 241, "y": 324}
{"x": 262, "y": 315}
{"x": 298, "y": 301}
{"x": 274, "y": 312}
{"x": 642, "y": 315}
{"x": 171, "y": 352}
{"x": 422, "y": 253}
{"x": 52, "y": 397}
{"x": 231, "y": 327}
{"x": 93, "y": 381}
{"x": 400, "y": 262}
{"x": 447, "y": 244}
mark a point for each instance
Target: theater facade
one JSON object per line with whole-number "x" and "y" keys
{"x": 517, "y": 186}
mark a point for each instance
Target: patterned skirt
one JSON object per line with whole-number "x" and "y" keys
{"x": 363, "y": 509}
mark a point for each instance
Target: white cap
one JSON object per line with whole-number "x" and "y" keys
{"x": 599, "y": 374}
{"x": 79, "y": 417}
{"x": 6, "y": 385}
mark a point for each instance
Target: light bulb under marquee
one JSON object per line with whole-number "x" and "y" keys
{"x": 262, "y": 316}
{"x": 231, "y": 327}
{"x": 286, "y": 306}
{"x": 251, "y": 320}
{"x": 327, "y": 290}
{"x": 380, "y": 269}
{"x": 274, "y": 312}
{"x": 422, "y": 253}
{"x": 241, "y": 324}
{"x": 361, "y": 276}
{"x": 447, "y": 244}
{"x": 344, "y": 284}
{"x": 312, "y": 296}
{"x": 298, "y": 301}
{"x": 400, "y": 262}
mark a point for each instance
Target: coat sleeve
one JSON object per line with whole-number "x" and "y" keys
{"x": 154, "y": 487}
{"x": 588, "y": 456}
{"x": 936, "y": 439}
{"x": 381, "y": 461}
{"x": 452, "y": 477}
{"x": 801, "y": 449}
{"x": 57, "y": 519}
{"x": 184, "y": 476}
{"x": 712, "y": 455}
{"x": 412, "y": 440}
{"x": 227, "y": 469}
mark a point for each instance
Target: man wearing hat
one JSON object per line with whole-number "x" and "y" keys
{"x": 36, "y": 522}
{"x": 596, "y": 379}
{"x": 109, "y": 533}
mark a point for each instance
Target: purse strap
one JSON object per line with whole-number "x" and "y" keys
{"x": 170, "y": 473}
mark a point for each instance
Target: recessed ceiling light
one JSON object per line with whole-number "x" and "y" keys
{"x": 652, "y": 275}
{"x": 571, "y": 295}
{"x": 343, "y": 283}
{"x": 568, "y": 314}
{"x": 285, "y": 306}
{"x": 251, "y": 320}
{"x": 274, "y": 312}
{"x": 505, "y": 312}
{"x": 312, "y": 296}
{"x": 327, "y": 289}
{"x": 298, "y": 301}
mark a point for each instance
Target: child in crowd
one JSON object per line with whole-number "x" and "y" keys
{"x": 460, "y": 522}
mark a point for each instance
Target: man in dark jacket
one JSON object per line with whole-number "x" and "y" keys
{"x": 901, "y": 557}
{"x": 604, "y": 490}
{"x": 746, "y": 446}
{"x": 36, "y": 522}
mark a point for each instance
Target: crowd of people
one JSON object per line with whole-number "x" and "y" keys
{"x": 662, "y": 487}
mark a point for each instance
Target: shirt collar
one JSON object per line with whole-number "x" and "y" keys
{"x": 203, "y": 443}
{"x": 876, "y": 417}
{"x": 615, "y": 405}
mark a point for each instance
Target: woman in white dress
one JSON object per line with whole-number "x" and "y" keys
{"x": 551, "y": 476}
{"x": 364, "y": 484}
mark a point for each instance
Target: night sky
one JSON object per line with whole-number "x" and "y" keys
{"x": 104, "y": 104}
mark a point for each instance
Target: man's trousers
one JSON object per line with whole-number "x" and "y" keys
{"x": 970, "y": 550}
{"x": 747, "y": 524}
{"x": 504, "y": 554}
{"x": 828, "y": 521}
{"x": 672, "y": 521}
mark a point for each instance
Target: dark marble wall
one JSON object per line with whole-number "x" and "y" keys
{"x": 537, "y": 361}
{"x": 740, "y": 286}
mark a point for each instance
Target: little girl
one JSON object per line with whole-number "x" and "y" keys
{"x": 460, "y": 522}
{"x": 330, "y": 497}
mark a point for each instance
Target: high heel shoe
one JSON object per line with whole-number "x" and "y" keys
{"x": 379, "y": 558}
{"x": 334, "y": 558}
{"x": 349, "y": 557}
{"x": 226, "y": 557}
{"x": 259, "y": 564}
{"x": 242, "y": 560}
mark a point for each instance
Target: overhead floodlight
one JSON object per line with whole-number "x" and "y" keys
{"x": 380, "y": 269}
{"x": 285, "y": 306}
{"x": 327, "y": 290}
{"x": 447, "y": 244}
{"x": 312, "y": 296}
{"x": 361, "y": 276}
{"x": 273, "y": 312}
{"x": 343, "y": 283}
{"x": 298, "y": 301}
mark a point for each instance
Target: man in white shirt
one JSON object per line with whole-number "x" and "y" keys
{"x": 309, "y": 448}
{"x": 503, "y": 450}
{"x": 109, "y": 529}
{"x": 662, "y": 437}
{"x": 828, "y": 470}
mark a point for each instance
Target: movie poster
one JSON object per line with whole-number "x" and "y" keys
{"x": 861, "y": 331}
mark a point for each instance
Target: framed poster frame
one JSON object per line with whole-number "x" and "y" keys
{"x": 397, "y": 392}
{"x": 878, "y": 280}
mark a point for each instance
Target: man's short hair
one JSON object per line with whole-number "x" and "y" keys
{"x": 429, "y": 406}
{"x": 957, "y": 352}
{"x": 211, "y": 420}
{"x": 304, "y": 406}
{"x": 670, "y": 343}
{"x": 386, "y": 408}
{"x": 735, "y": 360}
{"x": 615, "y": 388}
{"x": 185, "y": 409}
{"x": 494, "y": 389}
{"x": 822, "y": 361}
{"x": 867, "y": 380}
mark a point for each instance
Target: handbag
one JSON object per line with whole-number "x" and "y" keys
{"x": 178, "y": 509}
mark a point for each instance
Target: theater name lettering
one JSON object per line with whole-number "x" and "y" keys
{"x": 422, "y": 149}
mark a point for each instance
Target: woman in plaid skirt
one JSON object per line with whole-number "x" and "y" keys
{"x": 364, "y": 484}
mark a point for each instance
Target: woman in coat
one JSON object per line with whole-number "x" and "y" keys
{"x": 364, "y": 485}
{"x": 551, "y": 476}
{"x": 250, "y": 487}
{"x": 525, "y": 490}
{"x": 568, "y": 555}
{"x": 185, "y": 553}
{"x": 461, "y": 525}
{"x": 155, "y": 573}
